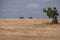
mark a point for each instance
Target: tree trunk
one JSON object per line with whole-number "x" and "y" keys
{"x": 54, "y": 20}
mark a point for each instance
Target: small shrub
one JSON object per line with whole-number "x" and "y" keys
{"x": 21, "y": 17}
{"x": 30, "y": 17}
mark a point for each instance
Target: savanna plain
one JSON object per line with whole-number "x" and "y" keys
{"x": 29, "y": 29}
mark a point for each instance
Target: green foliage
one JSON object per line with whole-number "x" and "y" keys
{"x": 51, "y": 12}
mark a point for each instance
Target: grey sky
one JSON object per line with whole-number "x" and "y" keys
{"x": 26, "y": 8}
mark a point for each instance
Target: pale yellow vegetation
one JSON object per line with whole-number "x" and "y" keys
{"x": 28, "y": 29}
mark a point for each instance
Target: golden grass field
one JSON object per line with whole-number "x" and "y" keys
{"x": 28, "y": 29}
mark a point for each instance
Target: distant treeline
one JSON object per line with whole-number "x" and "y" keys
{"x": 23, "y": 17}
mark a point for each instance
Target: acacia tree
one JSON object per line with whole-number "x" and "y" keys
{"x": 52, "y": 13}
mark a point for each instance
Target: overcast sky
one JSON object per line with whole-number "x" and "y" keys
{"x": 26, "y": 8}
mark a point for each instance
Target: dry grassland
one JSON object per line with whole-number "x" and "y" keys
{"x": 28, "y": 29}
